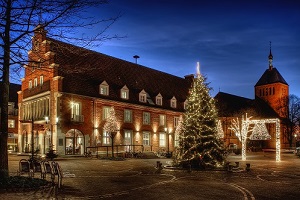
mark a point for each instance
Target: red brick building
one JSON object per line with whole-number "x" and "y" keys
{"x": 271, "y": 101}
{"x": 68, "y": 91}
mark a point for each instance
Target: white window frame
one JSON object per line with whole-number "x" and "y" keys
{"x": 143, "y": 96}
{"x": 127, "y": 115}
{"x": 41, "y": 80}
{"x": 35, "y": 82}
{"x": 176, "y": 121}
{"x": 158, "y": 100}
{"x": 146, "y": 138}
{"x": 30, "y": 84}
{"x": 162, "y": 120}
{"x": 146, "y": 118}
{"x": 173, "y": 102}
{"x": 104, "y": 88}
{"x": 105, "y": 113}
{"x": 106, "y": 140}
{"x": 75, "y": 109}
{"x": 125, "y": 92}
{"x": 162, "y": 139}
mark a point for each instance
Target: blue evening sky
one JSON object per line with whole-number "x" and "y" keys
{"x": 229, "y": 38}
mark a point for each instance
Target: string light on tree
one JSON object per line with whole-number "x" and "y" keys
{"x": 259, "y": 132}
{"x": 111, "y": 127}
{"x": 220, "y": 133}
{"x": 199, "y": 145}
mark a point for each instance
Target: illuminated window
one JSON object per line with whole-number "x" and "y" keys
{"x": 125, "y": 92}
{"x": 173, "y": 102}
{"x": 35, "y": 82}
{"x": 105, "y": 112}
{"x": 146, "y": 118}
{"x": 76, "y": 112}
{"x": 146, "y": 138}
{"x": 11, "y": 123}
{"x": 106, "y": 138}
{"x": 127, "y": 115}
{"x": 41, "y": 80}
{"x": 128, "y": 137}
{"x": 176, "y": 120}
{"x": 158, "y": 99}
{"x": 162, "y": 139}
{"x": 104, "y": 88}
{"x": 162, "y": 120}
{"x": 143, "y": 96}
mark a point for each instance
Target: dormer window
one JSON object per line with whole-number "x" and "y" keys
{"x": 143, "y": 96}
{"x": 173, "y": 102}
{"x": 125, "y": 92}
{"x": 104, "y": 88}
{"x": 159, "y": 99}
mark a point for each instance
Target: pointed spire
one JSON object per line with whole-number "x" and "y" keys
{"x": 198, "y": 69}
{"x": 270, "y": 58}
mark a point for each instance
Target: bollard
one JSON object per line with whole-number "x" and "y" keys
{"x": 247, "y": 167}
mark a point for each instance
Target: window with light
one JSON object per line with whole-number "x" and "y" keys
{"x": 146, "y": 138}
{"x": 162, "y": 139}
{"x": 146, "y": 118}
{"x": 105, "y": 138}
{"x": 127, "y": 115}
{"x": 162, "y": 120}
{"x": 106, "y": 112}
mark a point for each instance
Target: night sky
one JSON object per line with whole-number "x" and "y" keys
{"x": 230, "y": 39}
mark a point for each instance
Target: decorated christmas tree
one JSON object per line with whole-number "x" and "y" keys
{"x": 199, "y": 144}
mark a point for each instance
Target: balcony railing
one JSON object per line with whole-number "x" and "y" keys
{"x": 77, "y": 118}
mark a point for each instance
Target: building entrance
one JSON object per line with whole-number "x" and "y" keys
{"x": 74, "y": 142}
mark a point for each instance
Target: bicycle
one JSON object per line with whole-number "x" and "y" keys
{"x": 88, "y": 154}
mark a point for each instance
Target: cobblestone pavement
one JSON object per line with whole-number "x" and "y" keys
{"x": 87, "y": 178}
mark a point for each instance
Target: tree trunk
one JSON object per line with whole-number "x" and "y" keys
{"x": 5, "y": 94}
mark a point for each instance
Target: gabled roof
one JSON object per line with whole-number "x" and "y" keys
{"x": 229, "y": 105}
{"x": 271, "y": 76}
{"x": 83, "y": 70}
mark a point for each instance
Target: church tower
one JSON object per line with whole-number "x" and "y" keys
{"x": 272, "y": 88}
